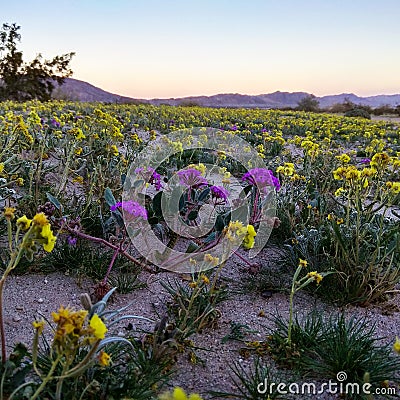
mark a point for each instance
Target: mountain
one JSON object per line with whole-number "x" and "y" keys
{"x": 77, "y": 90}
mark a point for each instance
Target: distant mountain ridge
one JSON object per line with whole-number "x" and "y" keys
{"x": 77, "y": 90}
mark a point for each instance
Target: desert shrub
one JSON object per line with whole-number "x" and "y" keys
{"x": 358, "y": 112}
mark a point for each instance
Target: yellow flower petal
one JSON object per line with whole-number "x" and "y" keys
{"x": 24, "y": 223}
{"x": 98, "y": 327}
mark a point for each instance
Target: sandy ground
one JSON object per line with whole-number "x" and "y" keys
{"x": 28, "y": 296}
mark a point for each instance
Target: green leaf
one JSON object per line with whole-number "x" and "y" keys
{"x": 203, "y": 195}
{"x": 157, "y": 204}
{"x": 220, "y": 222}
{"x": 54, "y": 201}
{"x": 193, "y": 215}
{"x": 192, "y": 247}
{"x": 109, "y": 197}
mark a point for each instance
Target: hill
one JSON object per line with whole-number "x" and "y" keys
{"x": 77, "y": 90}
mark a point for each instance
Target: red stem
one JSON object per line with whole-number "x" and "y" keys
{"x": 108, "y": 244}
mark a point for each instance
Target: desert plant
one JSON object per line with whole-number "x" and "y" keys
{"x": 357, "y": 112}
{"x": 351, "y": 345}
{"x": 193, "y": 305}
{"x": 254, "y": 383}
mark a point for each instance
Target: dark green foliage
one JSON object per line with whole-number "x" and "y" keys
{"x": 15, "y": 370}
{"x": 194, "y": 308}
{"x": 238, "y": 332}
{"x": 133, "y": 373}
{"x": 358, "y": 112}
{"x": 323, "y": 348}
{"x": 126, "y": 282}
{"x": 247, "y": 382}
{"x": 308, "y": 103}
{"x": 22, "y": 81}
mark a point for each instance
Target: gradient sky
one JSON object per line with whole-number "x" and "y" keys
{"x": 175, "y": 48}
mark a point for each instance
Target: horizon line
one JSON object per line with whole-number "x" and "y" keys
{"x": 237, "y": 93}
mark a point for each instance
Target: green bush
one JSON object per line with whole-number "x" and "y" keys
{"x": 358, "y": 112}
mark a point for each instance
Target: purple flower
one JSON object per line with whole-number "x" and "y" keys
{"x": 72, "y": 241}
{"x": 219, "y": 192}
{"x": 155, "y": 180}
{"x": 191, "y": 178}
{"x": 55, "y": 123}
{"x": 150, "y": 176}
{"x": 262, "y": 178}
{"x": 365, "y": 161}
{"x": 132, "y": 207}
{"x": 234, "y": 128}
{"x": 263, "y": 130}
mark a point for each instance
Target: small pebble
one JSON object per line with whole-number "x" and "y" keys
{"x": 45, "y": 281}
{"x": 19, "y": 308}
{"x": 40, "y": 300}
{"x": 16, "y": 318}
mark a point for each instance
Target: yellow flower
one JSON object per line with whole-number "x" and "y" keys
{"x": 344, "y": 158}
{"x": 63, "y": 314}
{"x": 104, "y": 358}
{"x": 353, "y": 173}
{"x": 177, "y": 146}
{"x": 114, "y": 150}
{"x": 9, "y": 213}
{"x": 1, "y": 167}
{"x": 51, "y": 239}
{"x": 213, "y": 260}
{"x": 98, "y": 326}
{"x": 227, "y": 177}
{"x": 396, "y": 346}
{"x": 330, "y": 217}
{"x": 221, "y": 155}
{"x": 199, "y": 167}
{"x": 78, "y": 179}
{"x": 338, "y": 173}
{"x": 24, "y": 222}
{"x": 78, "y": 151}
{"x": 368, "y": 172}
{"x": 248, "y": 241}
{"x": 303, "y": 263}
{"x": 340, "y": 192}
{"x": 39, "y": 325}
{"x": 393, "y": 186}
{"x": 235, "y": 231}
{"x": 286, "y": 169}
{"x": 380, "y": 160}
{"x": 40, "y": 219}
{"x": 192, "y": 261}
{"x": 193, "y": 285}
{"x": 153, "y": 135}
{"x": 179, "y": 394}
{"x": 20, "y": 181}
{"x": 340, "y": 221}
{"x": 205, "y": 279}
{"x": 317, "y": 277}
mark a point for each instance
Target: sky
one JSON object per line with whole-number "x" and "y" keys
{"x": 177, "y": 48}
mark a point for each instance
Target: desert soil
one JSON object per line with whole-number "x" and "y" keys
{"x": 29, "y": 296}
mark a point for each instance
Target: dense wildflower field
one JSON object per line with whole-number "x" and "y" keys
{"x": 325, "y": 188}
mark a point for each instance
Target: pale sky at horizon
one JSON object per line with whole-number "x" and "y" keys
{"x": 177, "y": 48}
